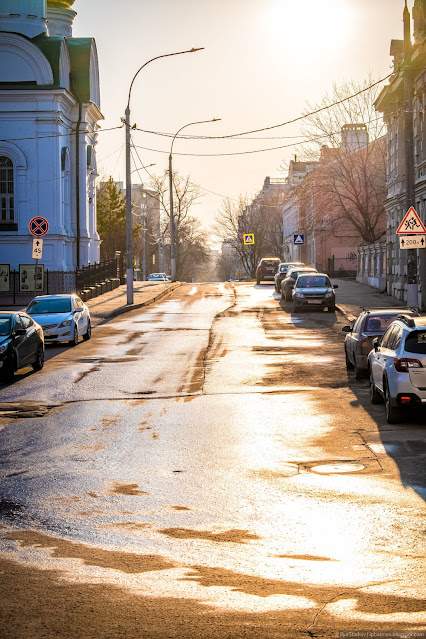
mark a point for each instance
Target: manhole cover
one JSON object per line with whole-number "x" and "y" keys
{"x": 328, "y": 469}
{"x": 340, "y": 466}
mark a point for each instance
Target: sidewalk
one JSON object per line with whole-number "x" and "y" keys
{"x": 352, "y": 297}
{"x": 113, "y": 303}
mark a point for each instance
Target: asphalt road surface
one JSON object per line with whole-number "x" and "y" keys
{"x": 206, "y": 468}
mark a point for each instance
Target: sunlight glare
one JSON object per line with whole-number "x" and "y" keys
{"x": 309, "y": 29}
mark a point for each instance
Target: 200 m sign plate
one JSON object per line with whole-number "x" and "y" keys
{"x": 412, "y": 241}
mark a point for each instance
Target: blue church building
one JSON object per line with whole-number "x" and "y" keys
{"x": 49, "y": 115}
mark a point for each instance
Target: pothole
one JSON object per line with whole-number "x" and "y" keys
{"x": 24, "y": 410}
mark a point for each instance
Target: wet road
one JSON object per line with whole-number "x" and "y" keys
{"x": 209, "y": 459}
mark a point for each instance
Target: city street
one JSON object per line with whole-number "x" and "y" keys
{"x": 206, "y": 467}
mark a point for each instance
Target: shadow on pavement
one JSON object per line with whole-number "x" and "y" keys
{"x": 405, "y": 443}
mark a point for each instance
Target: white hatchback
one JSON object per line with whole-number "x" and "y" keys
{"x": 397, "y": 366}
{"x": 64, "y": 318}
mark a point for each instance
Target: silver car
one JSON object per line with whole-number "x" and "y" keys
{"x": 64, "y": 318}
{"x": 314, "y": 290}
{"x": 397, "y": 366}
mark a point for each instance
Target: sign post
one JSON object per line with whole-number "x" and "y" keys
{"x": 38, "y": 226}
{"x": 413, "y": 231}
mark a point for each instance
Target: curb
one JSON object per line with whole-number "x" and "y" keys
{"x": 349, "y": 316}
{"x": 125, "y": 309}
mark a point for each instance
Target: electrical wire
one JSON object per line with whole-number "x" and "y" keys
{"x": 300, "y": 117}
{"x": 58, "y": 135}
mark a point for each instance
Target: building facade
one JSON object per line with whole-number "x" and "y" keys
{"x": 49, "y": 114}
{"x": 391, "y": 103}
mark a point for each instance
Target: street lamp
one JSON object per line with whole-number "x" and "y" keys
{"x": 129, "y": 237}
{"x": 172, "y": 219}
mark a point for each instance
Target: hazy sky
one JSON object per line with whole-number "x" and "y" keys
{"x": 263, "y": 60}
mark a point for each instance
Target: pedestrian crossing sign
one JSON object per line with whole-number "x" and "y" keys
{"x": 248, "y": 238}
{"x": 299, "y": 238}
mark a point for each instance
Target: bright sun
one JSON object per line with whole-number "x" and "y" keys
{"x": 309, "y": 28}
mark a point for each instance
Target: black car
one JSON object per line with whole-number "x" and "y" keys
{"x": 21, "y": 343}
{"x": 283, "y": 269}
{"x": 368, "y": 325}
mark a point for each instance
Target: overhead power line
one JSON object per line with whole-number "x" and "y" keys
{"x": 276, "y": 126}
{"x": 57, "y": 135}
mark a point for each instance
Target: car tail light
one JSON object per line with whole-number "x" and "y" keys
{"x": 405, "y": 400}
{"x": 403, "y": 364}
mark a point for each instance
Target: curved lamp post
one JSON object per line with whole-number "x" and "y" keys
{"x": 129, "y": 237}
{"x": 172, "y": 219}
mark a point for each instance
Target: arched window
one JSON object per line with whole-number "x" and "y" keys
{"x": 7, "y": 200}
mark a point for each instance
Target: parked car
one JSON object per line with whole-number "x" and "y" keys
{"x": 314, "y": 290}
{"x": 21, "y": 343}
{"x": 290, "y": 279}
{"x": 283, "y": 268}
{"x": 266, "y": 269}
{"x": 64, "y": 318}
{"x": 158, "y": 277}
{"x": 397, "y": 366}
{"x": 359, "y": 337}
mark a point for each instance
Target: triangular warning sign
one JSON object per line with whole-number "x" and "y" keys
{"x": 298, "y": 240}
{"x": 411, "y": 223}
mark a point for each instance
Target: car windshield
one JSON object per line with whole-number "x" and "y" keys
{"x": 4, "y": 325}
{"x": 313, "y": 281}
{"x": 379, "y": 323}
{"x": 294, "y": 274}
{"x": 53, "y": 305}
{"x": 416, "y": 342}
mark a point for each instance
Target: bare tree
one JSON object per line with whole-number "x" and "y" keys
{"x": 193, "y": 249}
{"x": 262, "y": 218}
{"x": 191, "y": 240}
{"x": 349, "y": 183}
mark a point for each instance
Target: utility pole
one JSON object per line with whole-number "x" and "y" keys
{"x": 410, "y": 186}
{"x": 129, "y": 229}
{"x": 144, "y": 243}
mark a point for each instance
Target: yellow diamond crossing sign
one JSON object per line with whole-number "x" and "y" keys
{"x": 248, "y": 238}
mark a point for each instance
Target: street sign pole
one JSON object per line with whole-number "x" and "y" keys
{"x": 38, "y": 226}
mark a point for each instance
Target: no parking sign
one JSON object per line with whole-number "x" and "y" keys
{"x": 38, "y": 226}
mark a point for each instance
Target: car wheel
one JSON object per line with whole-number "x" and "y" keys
{"x": 375, "y": 396}
{"x": 393, "y": 413}
{"x": 349, "y": 365}
{"x": 74, "y": 340}
{"x": 297, "y": 308}
{"x": 88, "y": 334}
{"x": 258, "y": 282}
{"x": 39, "y": 362}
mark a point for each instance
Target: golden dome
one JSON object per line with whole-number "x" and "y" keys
{"x": 59, "y": 4}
